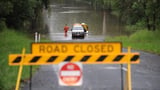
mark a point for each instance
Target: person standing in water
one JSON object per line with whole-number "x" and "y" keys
{"x": 66, "y": 28}
{"x": 85, "y": 26}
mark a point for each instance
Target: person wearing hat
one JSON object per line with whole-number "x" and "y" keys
{"x": 85, "y": 26}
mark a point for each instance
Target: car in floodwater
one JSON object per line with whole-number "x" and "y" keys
{"x": 78, "y": 31}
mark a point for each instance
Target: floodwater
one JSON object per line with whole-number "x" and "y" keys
{"x": 101, "y": 23}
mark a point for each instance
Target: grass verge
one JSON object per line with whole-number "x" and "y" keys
{"x": 141, "y": 40}
{"x": 12, "y": 42}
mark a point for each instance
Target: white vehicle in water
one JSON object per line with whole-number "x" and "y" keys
{"x": 78, "y": 31}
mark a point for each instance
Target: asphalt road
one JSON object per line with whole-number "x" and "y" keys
{"x": 145, "y": 76}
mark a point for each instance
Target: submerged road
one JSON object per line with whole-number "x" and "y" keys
{"x": 145, "y": 76}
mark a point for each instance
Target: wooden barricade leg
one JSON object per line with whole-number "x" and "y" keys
{"x": 20, "y": 70}
{"x": 128, "y": 83}
{"x": 129, "y": 70}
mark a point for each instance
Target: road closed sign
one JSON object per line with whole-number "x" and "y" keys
{"x": 76, "y": 48}
{"x": 70, "y": 74}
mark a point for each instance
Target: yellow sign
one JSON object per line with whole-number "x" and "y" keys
{"x": 76, "y": 48}
{"x": 36, "y": 59}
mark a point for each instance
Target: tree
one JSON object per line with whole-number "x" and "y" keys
{"x": 18, "y": 13}
{"x": 134, "y": 11}
{"x": 151, "y": 13}
{"x": 5, "y": 9}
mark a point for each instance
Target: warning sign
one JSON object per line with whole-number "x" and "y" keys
{"x": 70, "y": 74}
{"x": 76, "y": 48}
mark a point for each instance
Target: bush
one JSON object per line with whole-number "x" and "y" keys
{"x": 2, "y": 24}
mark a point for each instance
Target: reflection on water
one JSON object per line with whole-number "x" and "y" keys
{"x": 75, "y": 11}
{"x": 101, "y": 24}
{"x": 68, "y": 37}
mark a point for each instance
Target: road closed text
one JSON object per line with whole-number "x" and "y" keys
{"x": 74, "y": 48}
{"x": 93, "y": 49}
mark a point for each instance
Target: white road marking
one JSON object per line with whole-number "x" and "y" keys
{"x": 125, "y": 69}
{"x": 115, "y": 68}
{"x": 141, "y": 71}
{"x": 111, "y": 68}
{"x": 55, "y": 67}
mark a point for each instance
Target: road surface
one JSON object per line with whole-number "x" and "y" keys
{"x": 145, "y": 76}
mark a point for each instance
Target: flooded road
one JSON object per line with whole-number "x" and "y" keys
{"x": 101, "y": 23}
{"x": 145, "y": 76}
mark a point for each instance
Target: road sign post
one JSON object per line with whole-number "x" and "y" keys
{"x": 70, "y": 74}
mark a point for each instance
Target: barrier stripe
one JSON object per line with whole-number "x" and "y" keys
{"x": 29, "y": 59}
{"x": 118, "y": 58}
{"x": 69, "y": 58}
{"x": 85, "y": 58}
{"x": 35, "y": 59}
{"x": 17, "y": 60}
{"x": 101, "y": 58}
{"x": 135, "y": 57}
{"x": 52, "y": 59}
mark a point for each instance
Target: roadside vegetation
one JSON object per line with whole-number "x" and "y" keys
{"x": 24, "y": 17}
{"x": 22, "y": 14}
{"x": 12, "y": 42}
{"x": 130, "y": 12}
{"x": 141, "y": 40}
{"x": 139, "y": 16}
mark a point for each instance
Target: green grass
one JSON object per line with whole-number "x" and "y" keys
{"x": 12, "y": 42}
{"x": 141, "y": 40}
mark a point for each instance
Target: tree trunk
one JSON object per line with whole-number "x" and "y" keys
{"x": 146, "y": 16}
{"x": 154, "y": 19}
{"x": 148, "y": 24}
{"x": 154, "y": 22}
